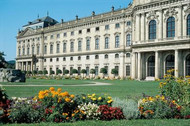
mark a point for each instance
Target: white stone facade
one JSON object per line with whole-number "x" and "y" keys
{"x": 130, "y": 27}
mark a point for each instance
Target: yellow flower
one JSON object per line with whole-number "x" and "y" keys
{"x": 162, "y": 97}
{"x": 67, "y": 99}
{"x": 157, "y": 96}
{"x": 51, "y": 88}
{"x": 150, "y": 98}
{"x": 83, "y": 97}
{"x": 109, "y": 97}
{"x": 93, "y": 95}
{"x": 143, "y": 100}
{"x": 72, "y": 96}
{"x": 94, "y": 99}
{"x": 99, "y": 98}
{"x": 110, "y": 101}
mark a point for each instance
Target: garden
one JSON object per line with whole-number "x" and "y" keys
{"x": 124, "y": 102}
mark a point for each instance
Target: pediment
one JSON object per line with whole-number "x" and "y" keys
{"x": 27, "y": 31}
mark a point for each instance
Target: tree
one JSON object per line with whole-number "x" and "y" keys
{"x": 58, "y": 71}
{"x": 83, "y": 71}
{"x": 45, "y": 72}
{"x": 103, "y": 71}
{"x": 74, "y": 71}
{"x": 92, "y": 71}
{"x": 34, "y": 72}
{"x": 2, "y": 60}
{"x": 40, "y": 72}
{"x": 114, "y": 72}
{"x": 65, "y": 72}
{"x": 52, "y": 72}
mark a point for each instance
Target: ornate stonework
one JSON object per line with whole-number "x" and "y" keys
{"x": 152, "y": 16}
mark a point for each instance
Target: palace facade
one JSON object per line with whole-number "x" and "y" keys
{"x": 143, "y": 41}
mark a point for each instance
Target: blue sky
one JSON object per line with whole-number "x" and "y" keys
{"x": 16, "y": 13}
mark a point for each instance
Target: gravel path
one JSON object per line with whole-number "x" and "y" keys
{"x": 69, "y": 85}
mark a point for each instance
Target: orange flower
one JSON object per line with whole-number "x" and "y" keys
{"x": 52, "y": 89}
{"x": 64, "y": 94}
{"x": 67, "y": 118}
{"x": 72, "y": 96}
{"x": 59, "y": 90}
{"x": 67, "y": 99}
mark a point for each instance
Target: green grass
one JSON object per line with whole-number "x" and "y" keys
{"x": 119, "y": 88}
{"x": 153, "y": 122}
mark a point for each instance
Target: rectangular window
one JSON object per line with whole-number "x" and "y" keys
{"x": 80, "y": 31}
{"x": 72, "y": 47}
{"x": 97, "y": 43}
{"x": 51, "y": 37}
{"x": 32, "y": 50}
{"x": 45, "y": 49}
{"x": 117, "y": 25}
{"x": 117, "y": 42}
{"x": 64, "y": 47}
{"x": 38, "y": 50}
{"x": 58, "y": 35}
{"x": 106, "y": 67}
{"x": 106, "y": 43}
{"x": 58, "y": 48}
{"x": 65, "y": 34}
{"x": 72, "y": 33}
{"x": 87, "y": 71}
{"x": 79, "y": 46}
{"x": 88, "y": 30}
{"x": 51, "y": 49}
{"x": 107, "y": 27}
{"x": 128, "y": 70}
{"x": 128, "y": 43}
{"x": 45, "y": 38}
{"x": 19, "y": 51}
{"x": 96, "y": 71}
{"x": 28, "y": 51}
{"x": 97, "y": 28}
{"x": 117, "y": 68}
{"x": 128, "y": 23}
{"x": 79, "y": 69}
{"x": 87, "y": 44}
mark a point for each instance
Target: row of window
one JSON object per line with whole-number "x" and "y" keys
{"x": 88, "y": 57}
{"x": 107, "y": 27}
{"x": 170, "y": 28}
{"x": 97, "y": 44}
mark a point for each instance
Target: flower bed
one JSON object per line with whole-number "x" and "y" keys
{"x": 60, "y": 106}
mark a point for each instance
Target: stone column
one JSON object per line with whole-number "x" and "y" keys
{"x": 139, "y": 66}
{"x": 160, "y": 28}
{"x": 137, "y": 30}
{"x": 180, "y": 21}
{"x": 121, "y": 66}
{"x": 17, "y": 65}
{"x": 157, "y": 64}
{"x": 26, "y": 65}
{"x": 41, "y": 63}
{"x": 143, "y": 27}
{"x": 176, "y": 63}
{"x": 133, "y": 65}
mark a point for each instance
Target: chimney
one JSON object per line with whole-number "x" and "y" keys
{"x": 112, "y": 8}
{"x": 93, "y": 13}
{"x": 77, "y": 17}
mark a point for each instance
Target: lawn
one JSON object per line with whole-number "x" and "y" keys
{"x": 119, "y": 88}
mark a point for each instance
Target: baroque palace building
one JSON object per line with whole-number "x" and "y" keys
{"x": 143, "y": 41}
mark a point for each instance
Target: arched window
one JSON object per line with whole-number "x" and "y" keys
{"x": 106, "y": 56}
{"x": 128, "y": 40}
{"x": 28, "y": 51}
{"x": 72, "y": 47}
{"x": 188, "y": 65}
{"x": 96, "y": 56}
{"x": 79, "y": 58}
{"x": 51, "y": 49}
{"x": 117, "y": 41}
{"x": 188, "y": 24}
{"x": 151, "y": 66}
{"x": 171, "y": 27}
{"x": 38, "y": 50}
{"x": 170, "y": 62}
{"x": 152, "y": 29}
{"x": 117, "y": 55}
{"x": 87, "y": 44}
{"x": 45, "y": 49}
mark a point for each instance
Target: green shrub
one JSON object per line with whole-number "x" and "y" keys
{"x": 128, "y": 106}
{"x": 40, "y": 72}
